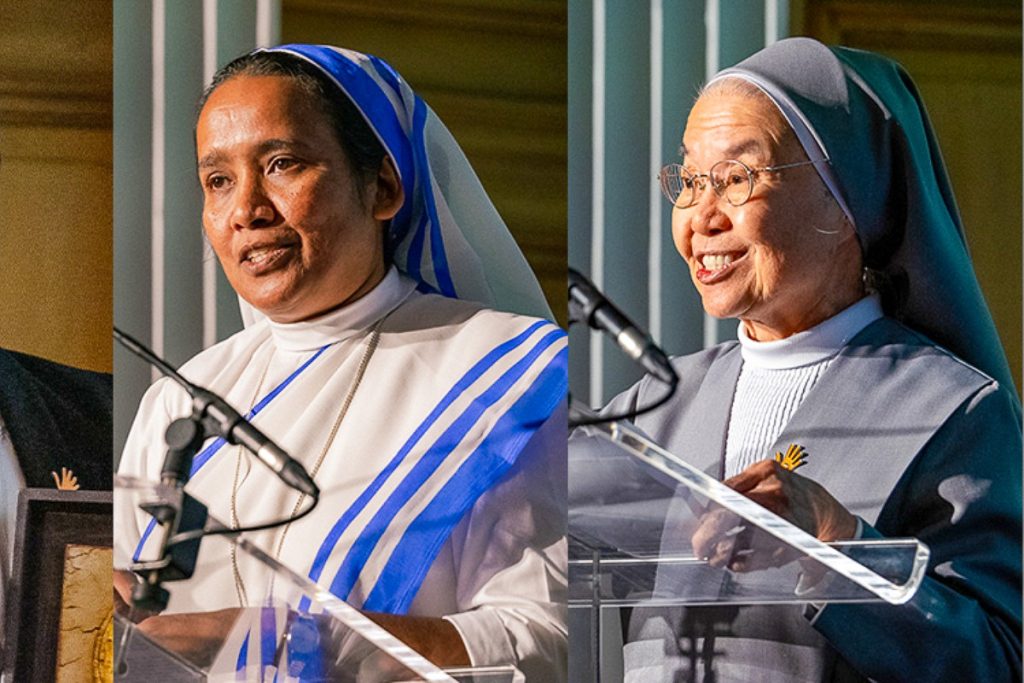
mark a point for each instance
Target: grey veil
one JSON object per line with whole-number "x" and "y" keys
{"x": 862, "y": 111}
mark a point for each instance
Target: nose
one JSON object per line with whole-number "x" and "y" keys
{"x": 707, "y": 217}
{"x": 252, "y": 207}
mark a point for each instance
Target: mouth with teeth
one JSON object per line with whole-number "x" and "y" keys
{"x": 263, "y": 258}
{"x": 713, "y": 267}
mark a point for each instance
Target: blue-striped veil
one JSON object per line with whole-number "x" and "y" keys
{"x": 448, "y": 235}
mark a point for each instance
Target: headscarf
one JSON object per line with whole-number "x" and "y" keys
{"x": 447, "y": 236}
{"x": 862, "y": 112}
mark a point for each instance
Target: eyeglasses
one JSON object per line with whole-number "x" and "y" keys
{"x": 730, "y": 178}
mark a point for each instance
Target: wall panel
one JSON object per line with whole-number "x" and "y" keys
{"x": 55, "y": 180}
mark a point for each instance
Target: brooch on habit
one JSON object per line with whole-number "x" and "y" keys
{"x": 795, "y": 457}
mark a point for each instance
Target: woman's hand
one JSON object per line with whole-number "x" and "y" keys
{"x": 799, "y": 500}
{"x": 725, "y": 541}
{"x": 196, "y": 636}
{"x": 124, "y": 584}
{"x": 434, "y": 638}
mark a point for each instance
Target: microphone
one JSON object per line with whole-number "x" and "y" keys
{"x": 586, "y": 303}
{"x": 228, "y": 423}
{"x": 237, "y": 430}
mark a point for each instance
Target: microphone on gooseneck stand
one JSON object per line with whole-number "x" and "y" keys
{"x": 587, "y": 304}
{"x": 227, "y": 423}
{"x": 598, "y": 312}
{"x": 182, "y": 518}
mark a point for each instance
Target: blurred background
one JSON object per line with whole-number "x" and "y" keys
{"x": 494, "y": 71}
{"x": 55, "y": 180}
{"x": 634, "y": 69}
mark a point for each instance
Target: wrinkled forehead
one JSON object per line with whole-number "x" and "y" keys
{"x": 736, "y": 123}
{"x": 798, "y": 138}
{"x": 270, "y": 96}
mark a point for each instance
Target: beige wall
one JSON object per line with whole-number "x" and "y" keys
{"x": 495, "y": 73}
{"x": 55, "y": 180}
{"x": 966, "y": 61}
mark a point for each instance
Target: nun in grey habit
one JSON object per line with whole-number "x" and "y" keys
{"x": 865, "y": 339}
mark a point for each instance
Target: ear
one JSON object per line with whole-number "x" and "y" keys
{"x": 389, "y": 195}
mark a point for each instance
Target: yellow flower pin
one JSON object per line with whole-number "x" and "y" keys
{"x": 795, "y": 457}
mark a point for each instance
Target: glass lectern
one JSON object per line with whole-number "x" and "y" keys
{"x": 300, "y": 632}
{"x": 638, "y": 514}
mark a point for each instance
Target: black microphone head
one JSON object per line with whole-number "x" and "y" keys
{"x": 295, "y": 475}
{"x": 575, "y": 278}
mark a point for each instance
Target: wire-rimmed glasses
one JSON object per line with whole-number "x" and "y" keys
{"x": 730, "y": 178}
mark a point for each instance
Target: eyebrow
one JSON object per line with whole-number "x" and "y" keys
{"x": 209, "y": 160}
{"x": 266, "y": 147}
{"x": 733, "y": 151}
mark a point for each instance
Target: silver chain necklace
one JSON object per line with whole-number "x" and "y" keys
{"x": 371, "y": 346}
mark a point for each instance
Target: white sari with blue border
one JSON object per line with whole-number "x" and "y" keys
{"x": 443, "y": 490}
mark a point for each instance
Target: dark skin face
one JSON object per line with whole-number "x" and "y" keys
{"x": 298, "y": 234}
{"x": 296, "y": 230}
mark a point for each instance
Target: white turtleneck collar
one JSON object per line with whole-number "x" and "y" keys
{"x": 819, "y": 343}
{"x": 343, "y": 322}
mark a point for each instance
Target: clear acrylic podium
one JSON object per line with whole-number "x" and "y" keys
{"x": 301, "y": 633}
{"x": 647, "y": 529}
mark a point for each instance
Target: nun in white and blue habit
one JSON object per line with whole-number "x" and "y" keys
{"x": 429, "y": 411}
{"x": 913, "y": 423}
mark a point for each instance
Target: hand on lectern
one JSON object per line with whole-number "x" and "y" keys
{"x": 725, "y": 541}
{"x": 196, "y": 636}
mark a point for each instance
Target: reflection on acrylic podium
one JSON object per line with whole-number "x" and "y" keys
{"x": 634, "y": 509}
{"x": 301, "y": 633}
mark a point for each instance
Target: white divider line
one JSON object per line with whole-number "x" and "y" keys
{"x": 654, "y": 197}
{"x": 597, "y": 235}
{"x": 158, "y": 179}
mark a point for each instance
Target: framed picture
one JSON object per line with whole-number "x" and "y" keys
{"x": 59, "y": 621}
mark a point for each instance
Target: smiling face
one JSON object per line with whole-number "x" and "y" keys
{"x": 296, "y": 231}
{"x": 763, "y": 261}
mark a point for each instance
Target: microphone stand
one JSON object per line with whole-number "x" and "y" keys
{"x": 182, "y": 518}
{"x": 180, "y": 512}
{"x": 176, "y": 514}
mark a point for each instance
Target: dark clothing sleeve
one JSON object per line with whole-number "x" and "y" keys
{"x": 962, "y": 497}
{"x": 57, "y": 417}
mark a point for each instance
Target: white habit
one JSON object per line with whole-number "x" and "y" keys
{"x": 447, "y": 380}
